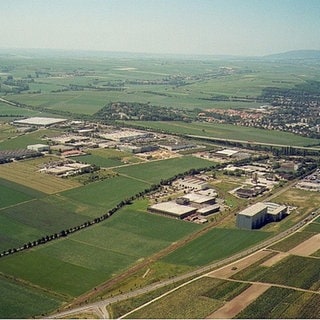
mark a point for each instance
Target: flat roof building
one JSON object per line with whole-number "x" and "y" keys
{"x": 198, "y": 200}
{"x": 172, "y": 209}
{"x": 39, "y": 121}
{"x": 208, "y": 210}
{"x": 253, "y": 217}
{"x": 259, "y": 214}
{"x": 38, "y": 147}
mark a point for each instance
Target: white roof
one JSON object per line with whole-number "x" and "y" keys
{"x": 254, "y": 209}
{"x": 173, "y": 208}
{"x": 227, "y": 152}
{"x": 40, "y": 121}
{"x": 197, "y": 198}
{"x": 208, "y": 208}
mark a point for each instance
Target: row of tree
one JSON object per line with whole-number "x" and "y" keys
{"x": 125, "y": 202}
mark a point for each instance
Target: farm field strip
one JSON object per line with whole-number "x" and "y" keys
{"x": 20, "y": 173}
{"x": 228, "y": 131}
{"x": 236, "y": 305}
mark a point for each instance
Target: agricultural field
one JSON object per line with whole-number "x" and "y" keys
{"x": 154, "y": 171}
{"x": 220, "y": 243}
{"x": 25, "y": 173}
{"x": 96, "y": 253}
{"x": 107, "y": 158}
{"x": 285, "y": 273}
{"x": 21, "y": 141}
{"x": 282, "y": 303}
{"x": 228, "y": 131}
{"x": 195, "y": 300}
{"x": 22, "y": 301}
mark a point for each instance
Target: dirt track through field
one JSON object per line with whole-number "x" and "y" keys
{"x": 236, "y": 305}
{"x": 307, "y": 247}
{"x": 237, "y": 266}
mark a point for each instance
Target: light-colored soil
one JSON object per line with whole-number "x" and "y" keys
{"x": 307, "y": 247}
{"x": 236, "y": 305}
{"x": 231, "y": 269}
{"x": 273, "y": 260}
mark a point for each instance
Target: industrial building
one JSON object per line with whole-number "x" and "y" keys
{"x": 38, "y": 147}
{"x": 39, "y": 121}
{"x": 138, "y": 148}
{"x": 193, "y": 183}
{"x": 196, "y": 200}
{"x": 259, "y": 214}
{"x": 172, "y": 209}
{"x": 253, "y": 217}
{"x": 178, "y": 145}
{"x": 208, "y": 210}
{"x": 126, "y": 135}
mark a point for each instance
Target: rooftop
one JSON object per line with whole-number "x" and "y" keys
{"x": 197, "y": 198}
{"x": 254, "y": 209}
{"x": 39, "y": 121}
{"x": 172, "y": 207}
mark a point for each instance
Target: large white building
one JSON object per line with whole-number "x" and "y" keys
{"x": 172, "y": 209}
{"x": 257, "y": 215}
{"x": 39, "y": 121}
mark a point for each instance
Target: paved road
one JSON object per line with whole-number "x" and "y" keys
{"x": 100, "y": 306}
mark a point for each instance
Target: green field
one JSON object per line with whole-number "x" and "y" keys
{"x": 23, "y": 140}
{"x": 96, "y": 253}
{"x": 154, "y": 171}
{"x": 294, "y": 271}
{"x": 20, "y": 301}
{"x": 282, "y": 303}
{"x": 229, "y": 131}
{"x": 193, "y": 301}
{"x": 219, "y": 244}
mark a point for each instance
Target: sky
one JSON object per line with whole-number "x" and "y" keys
{"x": 209, "y": 27}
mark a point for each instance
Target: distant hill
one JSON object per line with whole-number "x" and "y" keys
{"x": 295, "y": 55}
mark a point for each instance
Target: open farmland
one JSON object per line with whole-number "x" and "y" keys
{"x": 228, "y": 131}
{"x": 12, "y": 193}
{"x": 195, "y": 300}
{"x": 22, "y": 141}
{"x": 282, "y": 303}
{"x": 219, "y": 244}
{"x": 154, "y": 171}
{"x": 96, "y": 253}
{"x": 24, "y": 174}
{"x": 294, "y": 271}
{"x": 21, "y": 301}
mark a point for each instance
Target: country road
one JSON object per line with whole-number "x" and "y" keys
{"x": 100, "y": 306}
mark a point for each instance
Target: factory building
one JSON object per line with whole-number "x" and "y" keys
{"x": 39, "y": 121}
{"x": 253, "y": 217}
{"x": 259, "y": 214}
{"x": 172, "y": 209}
{"x": 208, "y": 210}
{"x": 196, "y": 200}
{"x": 193, "y": 183}
{"x": 38, "y": 147}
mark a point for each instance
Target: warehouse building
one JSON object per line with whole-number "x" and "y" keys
{"x": 253, "y": 217}
{"x": 39, "y": 121}
{"x": 259, "y": 214}
{"x": 205, "y": 211}
{"x": 172, "y": 209}
{"x": 197, "y": 200}
{"x": 193, "y": 183}
{"x": 38, "y": 147}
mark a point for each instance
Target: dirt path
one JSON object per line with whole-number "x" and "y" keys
{"x": 231, "y": 269}
{"x": 307, "y": 247}
{"x": 240, "y": 302}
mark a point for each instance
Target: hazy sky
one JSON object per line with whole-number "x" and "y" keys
{"x": 241, "y": 27}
